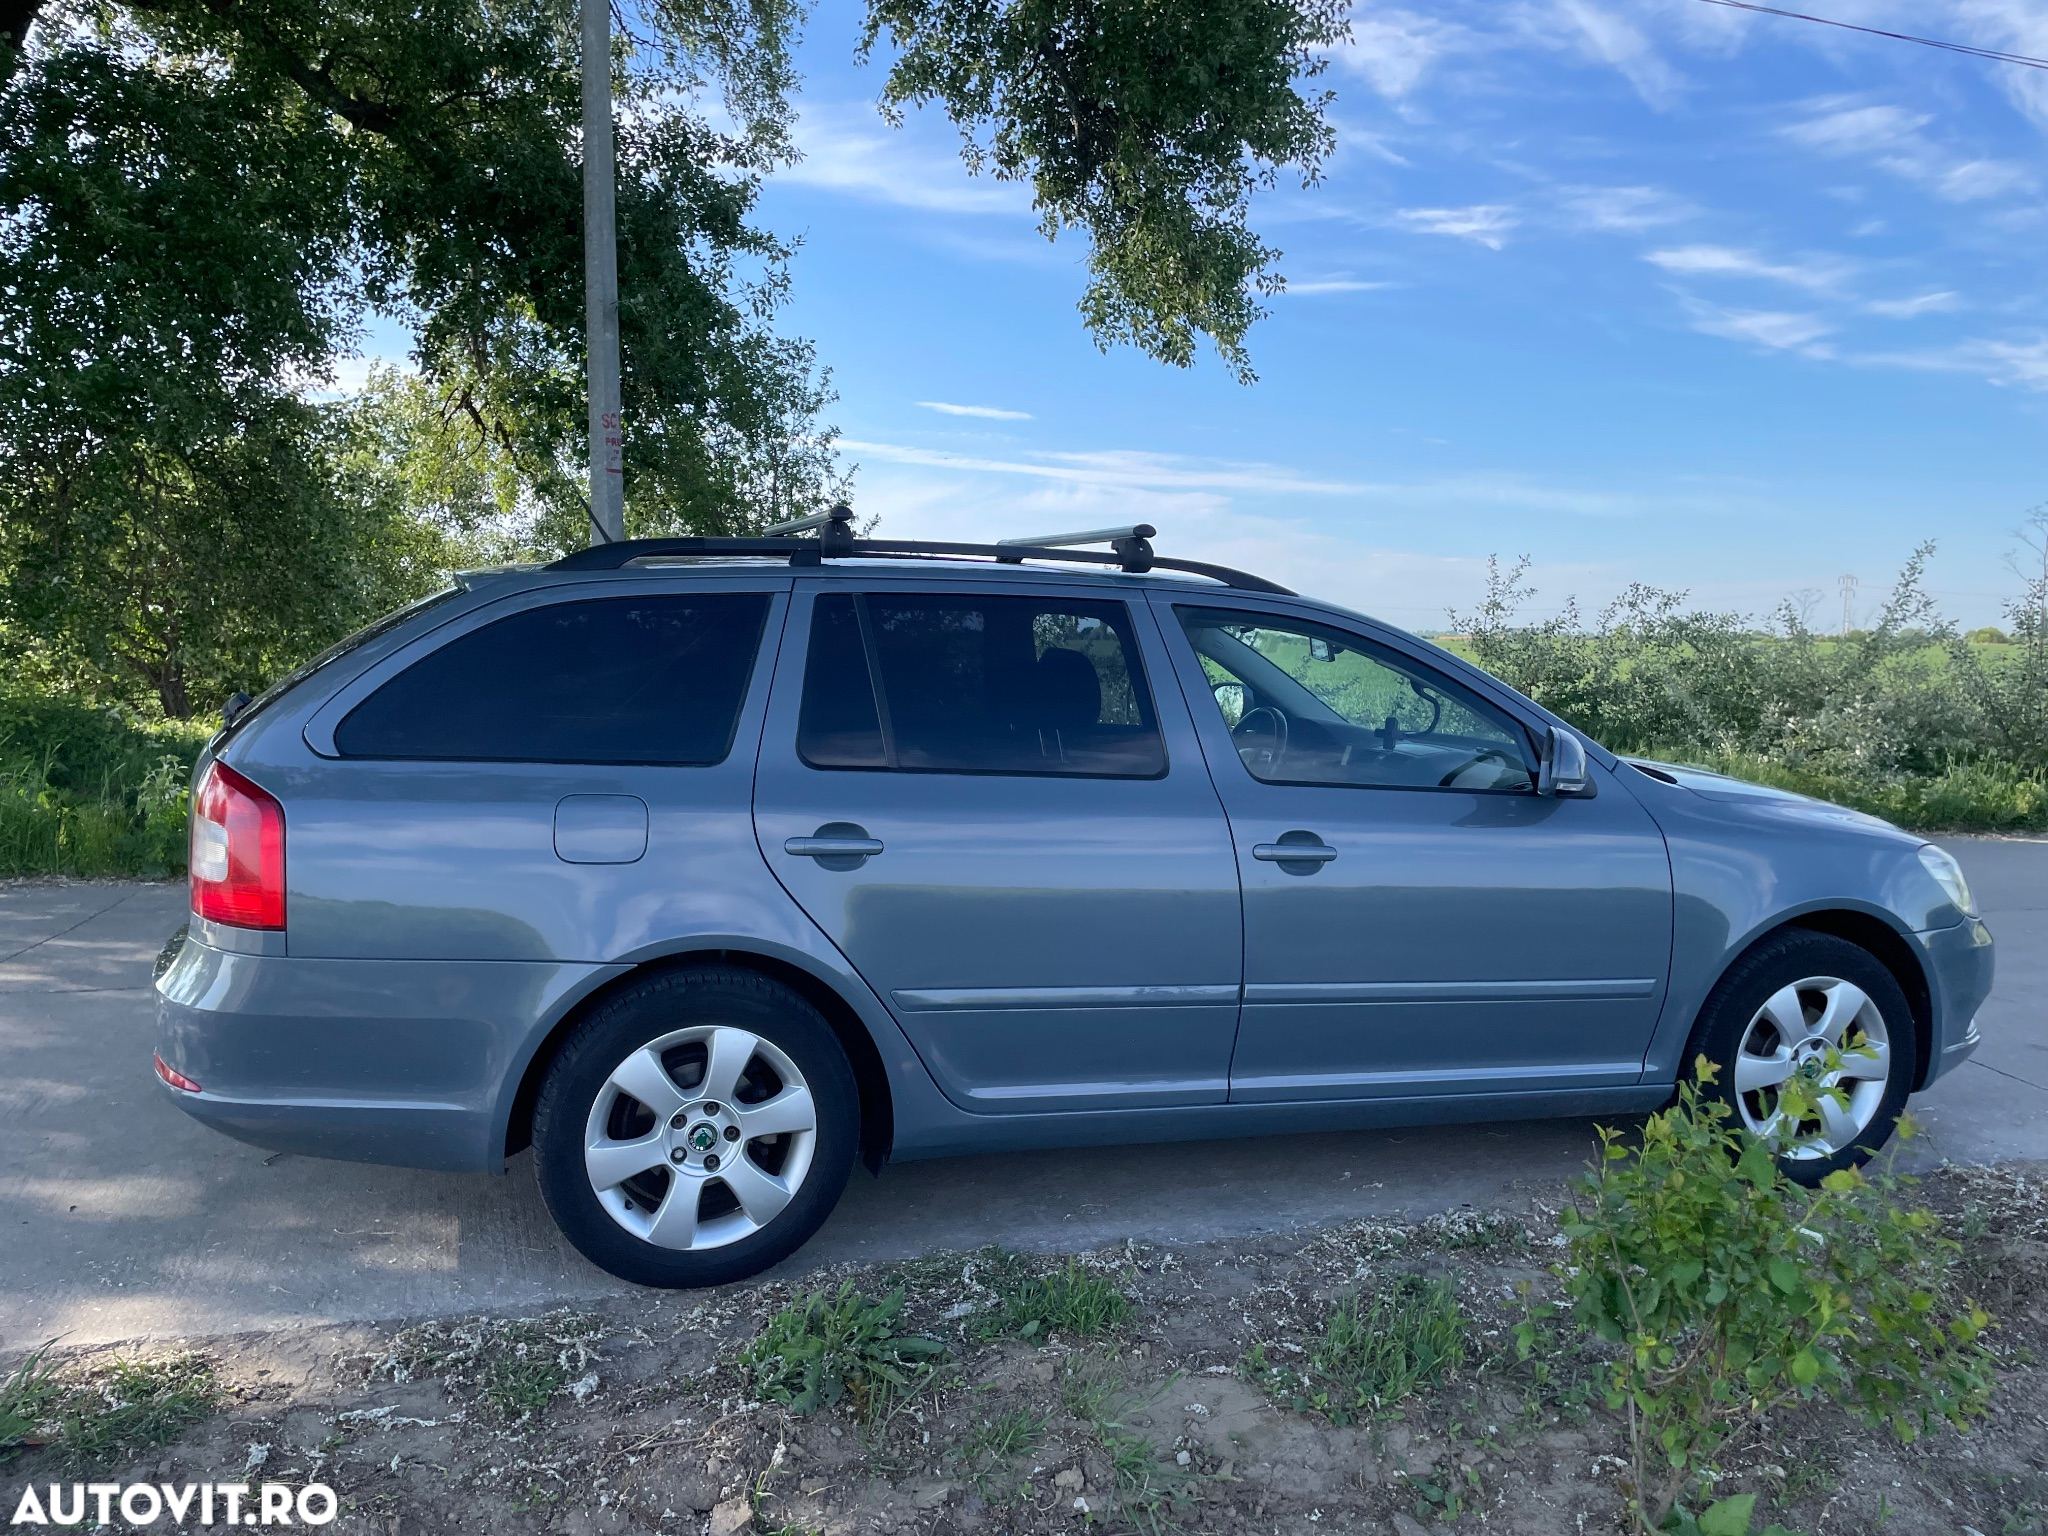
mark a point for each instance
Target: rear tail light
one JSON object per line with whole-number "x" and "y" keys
{"x": 175, "y": 1078}
{"x": 237, "y": 852}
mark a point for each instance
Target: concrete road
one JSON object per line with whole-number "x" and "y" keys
{"x": 120, "y": 1218}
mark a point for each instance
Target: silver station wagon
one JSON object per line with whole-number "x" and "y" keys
{"x": 708, "y": 867}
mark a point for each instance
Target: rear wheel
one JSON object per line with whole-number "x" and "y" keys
{"x": 1821, "y": 1011}
{"x": 696, "y": 1128}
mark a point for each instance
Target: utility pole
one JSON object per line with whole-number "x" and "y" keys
{"x": 1848, "y": 586}
{"x": 601, "y": 280}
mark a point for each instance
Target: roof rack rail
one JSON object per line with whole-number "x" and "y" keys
{"x": 1130, "y": 550}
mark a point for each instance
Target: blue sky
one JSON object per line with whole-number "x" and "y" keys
{"x": 1646, "y": 290}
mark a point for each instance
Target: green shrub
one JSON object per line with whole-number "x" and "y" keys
{"x": 1372, "y": 1355}
{"x": 821, "y": 1350}
{"x": 87, "y": 791}
{"x": 1731, "y": 1292}
{"x": 1906, "y": 719}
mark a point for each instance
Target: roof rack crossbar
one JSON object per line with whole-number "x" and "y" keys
{"x": 801, "y": 524}
{"x": 1131, "y": 551}
{"x": 1098, "y": 536}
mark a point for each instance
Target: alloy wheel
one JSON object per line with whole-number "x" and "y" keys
{"x": 1830, "y": 1034}
{"x": 700, "y": 1138}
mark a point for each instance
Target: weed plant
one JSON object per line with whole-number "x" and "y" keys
{"x": 824, "y": 1349}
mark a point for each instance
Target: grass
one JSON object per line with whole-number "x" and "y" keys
{"x": 993, "y": 1447}
{"x": 1371, "y": 1354}
{"x": 86, "y": 791}
{"x": 1094, "y": 1391}
{"x": 521, "y": 1388}
{"x": 1073, "y": 1300}
{"x": 823, "y": 1349}
{"x": 114, "y": 1409}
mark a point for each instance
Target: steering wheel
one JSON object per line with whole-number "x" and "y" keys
{"x": 1493, "y": 753}
{"x": 1261, "y": 737}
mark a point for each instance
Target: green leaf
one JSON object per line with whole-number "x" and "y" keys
{"x": 1806, "y": 1368}
{"x": 1785, "y": 1275}
{"x": 1728, "y": 1517}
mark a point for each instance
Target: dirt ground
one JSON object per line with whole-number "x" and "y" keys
{"x": 636, "y": 1417}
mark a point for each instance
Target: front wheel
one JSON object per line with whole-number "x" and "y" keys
{"x": 1825, "y": 1012}
{"x": 696, "y": 1128}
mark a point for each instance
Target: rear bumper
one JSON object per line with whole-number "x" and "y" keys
{"x": 1960, "y": 969}
{"x": 408, "y": 1062}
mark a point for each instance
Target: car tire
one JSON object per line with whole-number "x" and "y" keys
{"x": 1773, "y": 1014}
{"x": 665, "y": 1177}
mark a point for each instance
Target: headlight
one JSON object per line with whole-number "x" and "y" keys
{"x": 1948, "y": 874}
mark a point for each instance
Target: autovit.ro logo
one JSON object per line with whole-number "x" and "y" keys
{"x": 197, "y": 1504}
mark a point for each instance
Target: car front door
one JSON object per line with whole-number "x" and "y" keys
{"x": 1418, "y": 921}
{"x": 986, "y": 801}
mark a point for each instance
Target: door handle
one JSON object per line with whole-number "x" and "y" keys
{"x": 840, "y": 845}
{"x": 1294, "y": 853}
{"x": 832, "y": 847}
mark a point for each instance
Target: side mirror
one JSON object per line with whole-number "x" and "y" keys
{"x": 1563, "y": 770}
{"x": 1231, "y": 700}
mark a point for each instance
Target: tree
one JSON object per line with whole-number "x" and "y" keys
{"x": 200, "y": 199}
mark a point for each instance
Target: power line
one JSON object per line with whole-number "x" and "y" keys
{"x": 1904, "y": 37}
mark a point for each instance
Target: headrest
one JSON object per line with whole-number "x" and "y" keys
{"x": 1069, "y": 694}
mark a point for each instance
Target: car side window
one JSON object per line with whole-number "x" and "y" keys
{"x": 1306, "y": 703}
{"x": 966, "y": 683}
{"x": 653, "y": 679}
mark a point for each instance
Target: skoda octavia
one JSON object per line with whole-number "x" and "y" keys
{"x": 707, "y": 868}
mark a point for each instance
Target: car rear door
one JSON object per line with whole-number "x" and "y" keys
{"x": 985, "y": 798}
{"x": 1417, "y": 920}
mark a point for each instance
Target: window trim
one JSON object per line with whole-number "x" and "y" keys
{"x": 1134, "y": 658}
{"x": 365, "y": 688}
{"x": 1392, "y": 656}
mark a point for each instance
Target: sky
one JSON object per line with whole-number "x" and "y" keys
{"x": 1644, "y": 290}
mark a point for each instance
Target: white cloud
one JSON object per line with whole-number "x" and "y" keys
{"x": 1820, "y": 276}
{"x": 1486, "y": 223}
{"x": 1615, "y": 40}
{"x": 989, "y": 412}
{"x": 1761, "y": 327}
{"x": 1891, "y": 138}
{"x": 847, "y": 149}
{"x": 1908, "y": 309}
{"x": 1625, "y": 210}
{"x": 351, "y": 375}
{"x": 1392, "y": 50}
{"x": 2016, "y": 364}
{"x": 1115, "y": 469}
{"x": 1335, "y": 285}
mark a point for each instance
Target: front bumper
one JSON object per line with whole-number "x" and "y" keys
{"x": 1960, "y": 968}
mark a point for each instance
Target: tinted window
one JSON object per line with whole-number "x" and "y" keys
{"x": 968, "y": 684}
{"x": 1308, "y": 704}
{"x": 655, "y": 679}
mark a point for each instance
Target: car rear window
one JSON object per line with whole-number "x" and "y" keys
{"x": 654, "y": 679}
{"x": 946, "y": 683}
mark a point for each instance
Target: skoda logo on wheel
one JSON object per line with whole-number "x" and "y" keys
{"x": 703, "y": 1137}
